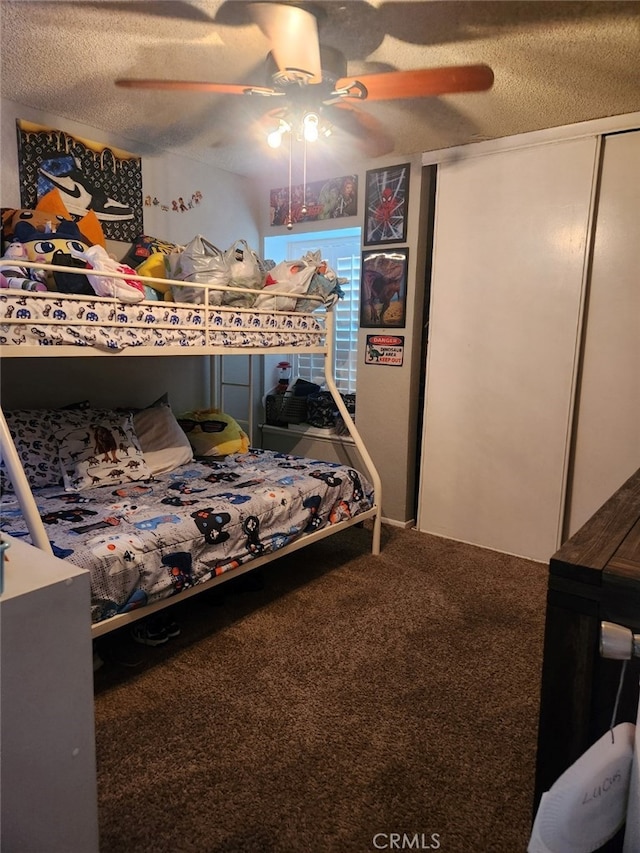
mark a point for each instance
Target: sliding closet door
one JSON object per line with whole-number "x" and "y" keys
{"x": 607, "y": 439}
{"x": 510, "y": 239}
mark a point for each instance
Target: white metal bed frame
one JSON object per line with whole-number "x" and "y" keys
{"x": 325, "y": 347}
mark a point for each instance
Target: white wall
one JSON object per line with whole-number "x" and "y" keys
{"x": 108, "y": 382}
{"x": 224, "y": 215}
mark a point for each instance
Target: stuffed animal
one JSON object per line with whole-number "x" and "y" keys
{"x": 213, "y": 433}
{"x": 154, "y": 267}
{"x": 46, "y": 217}
{"x": 56, "y": 248}
{"x": 18, "y": 277}
{"x": 42, "y": 246}
{"x": 42, "y": 220}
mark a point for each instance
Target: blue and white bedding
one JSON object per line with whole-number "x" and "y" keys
{"x": 148, "y": 540}
{"x": 54, "y": 319}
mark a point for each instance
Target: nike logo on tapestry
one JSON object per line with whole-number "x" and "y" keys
{"x": 104, "y": 207}
{"x": 76, "y": 192}
{"x": 70, "y": 188}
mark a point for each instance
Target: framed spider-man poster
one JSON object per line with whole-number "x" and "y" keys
{"x": 386, "y": 200}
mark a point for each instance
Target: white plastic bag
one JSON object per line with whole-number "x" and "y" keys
{"x": 289, "y": 277}
{"x": 245, "y": 270}
{"x": 202, "y": 262}
{"x": 126, "y": 290}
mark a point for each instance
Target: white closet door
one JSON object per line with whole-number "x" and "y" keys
{"x": 510, "y": 238}
{"x": 607, "y": 439}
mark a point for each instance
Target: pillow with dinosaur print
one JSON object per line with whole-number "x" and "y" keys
{"x": 102, "y": 450}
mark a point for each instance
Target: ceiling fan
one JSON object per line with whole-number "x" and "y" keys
{"x": 311, "y": 89}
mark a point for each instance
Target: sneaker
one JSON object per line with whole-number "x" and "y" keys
{"x": 161, "y": 621}
{"x": 172, "y": 629}
{"x": 78, "y": 193}
{"x": 148, "y": 635}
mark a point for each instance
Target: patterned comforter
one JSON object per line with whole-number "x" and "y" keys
{"x": 149, "y": 540}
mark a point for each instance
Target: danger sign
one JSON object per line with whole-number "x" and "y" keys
{"x": 384, "y": 349}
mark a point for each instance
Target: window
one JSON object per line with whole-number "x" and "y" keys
{"x": 341, "y": 249}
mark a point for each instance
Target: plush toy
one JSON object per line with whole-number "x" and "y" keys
{"x": 213, "y": 433}
{"x": 46, "y": 217}
{"x": 43, "y": 247}
{"x": 154, "y": 267}
{"x": 42, "y": 220}
{"x": 56, "y": 248}
{"x": 18, "y": 277}
{"x": 89, "y": 225}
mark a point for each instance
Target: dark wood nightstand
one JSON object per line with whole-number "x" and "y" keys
{"x": 595, "y": 576}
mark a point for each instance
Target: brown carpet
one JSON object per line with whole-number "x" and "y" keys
{"x": 349, "y": 698}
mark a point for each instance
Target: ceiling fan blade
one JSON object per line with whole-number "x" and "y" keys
{"x": 372, "y": 138}
{"x": 424, "y": 82}
{"x": 293, "y": 33}
{"x": 196, "y": 86}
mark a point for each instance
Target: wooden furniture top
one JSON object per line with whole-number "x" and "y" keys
{"x": 605, "y": 553}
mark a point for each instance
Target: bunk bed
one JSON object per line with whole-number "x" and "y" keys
{"x": 149, "y": 539}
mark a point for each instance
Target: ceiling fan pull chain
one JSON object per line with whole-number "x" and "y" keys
{"x": 289, "y": 219}
{"x": 303, "y": 210}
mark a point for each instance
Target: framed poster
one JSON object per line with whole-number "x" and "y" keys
{"x": 88, "y": 176}
{"x": 386, "y": 200}
{"x": 383, "y": 289}
{"x": 317, "y": 200}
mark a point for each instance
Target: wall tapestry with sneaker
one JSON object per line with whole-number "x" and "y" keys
{"x": 88, "y": 175}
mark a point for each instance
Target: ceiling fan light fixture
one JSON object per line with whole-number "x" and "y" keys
{"x": 274, "y": 139}
{"x": 275, "y": 136}
{"x": 310, "y": 127}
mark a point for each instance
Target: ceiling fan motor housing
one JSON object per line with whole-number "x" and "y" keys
{"x": 333, "y": 63}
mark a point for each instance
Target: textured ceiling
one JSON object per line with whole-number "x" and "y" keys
{"x": 555, "y": 63}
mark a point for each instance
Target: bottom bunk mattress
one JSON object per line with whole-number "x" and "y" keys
{"x": 149, "y": 540}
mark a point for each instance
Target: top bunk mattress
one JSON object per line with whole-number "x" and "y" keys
{"x": 68, "y": 324}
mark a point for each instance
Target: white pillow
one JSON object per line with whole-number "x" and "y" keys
{"x": 163, "y": 442}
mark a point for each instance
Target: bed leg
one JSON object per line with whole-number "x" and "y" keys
{"x": 377, "y": 530}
